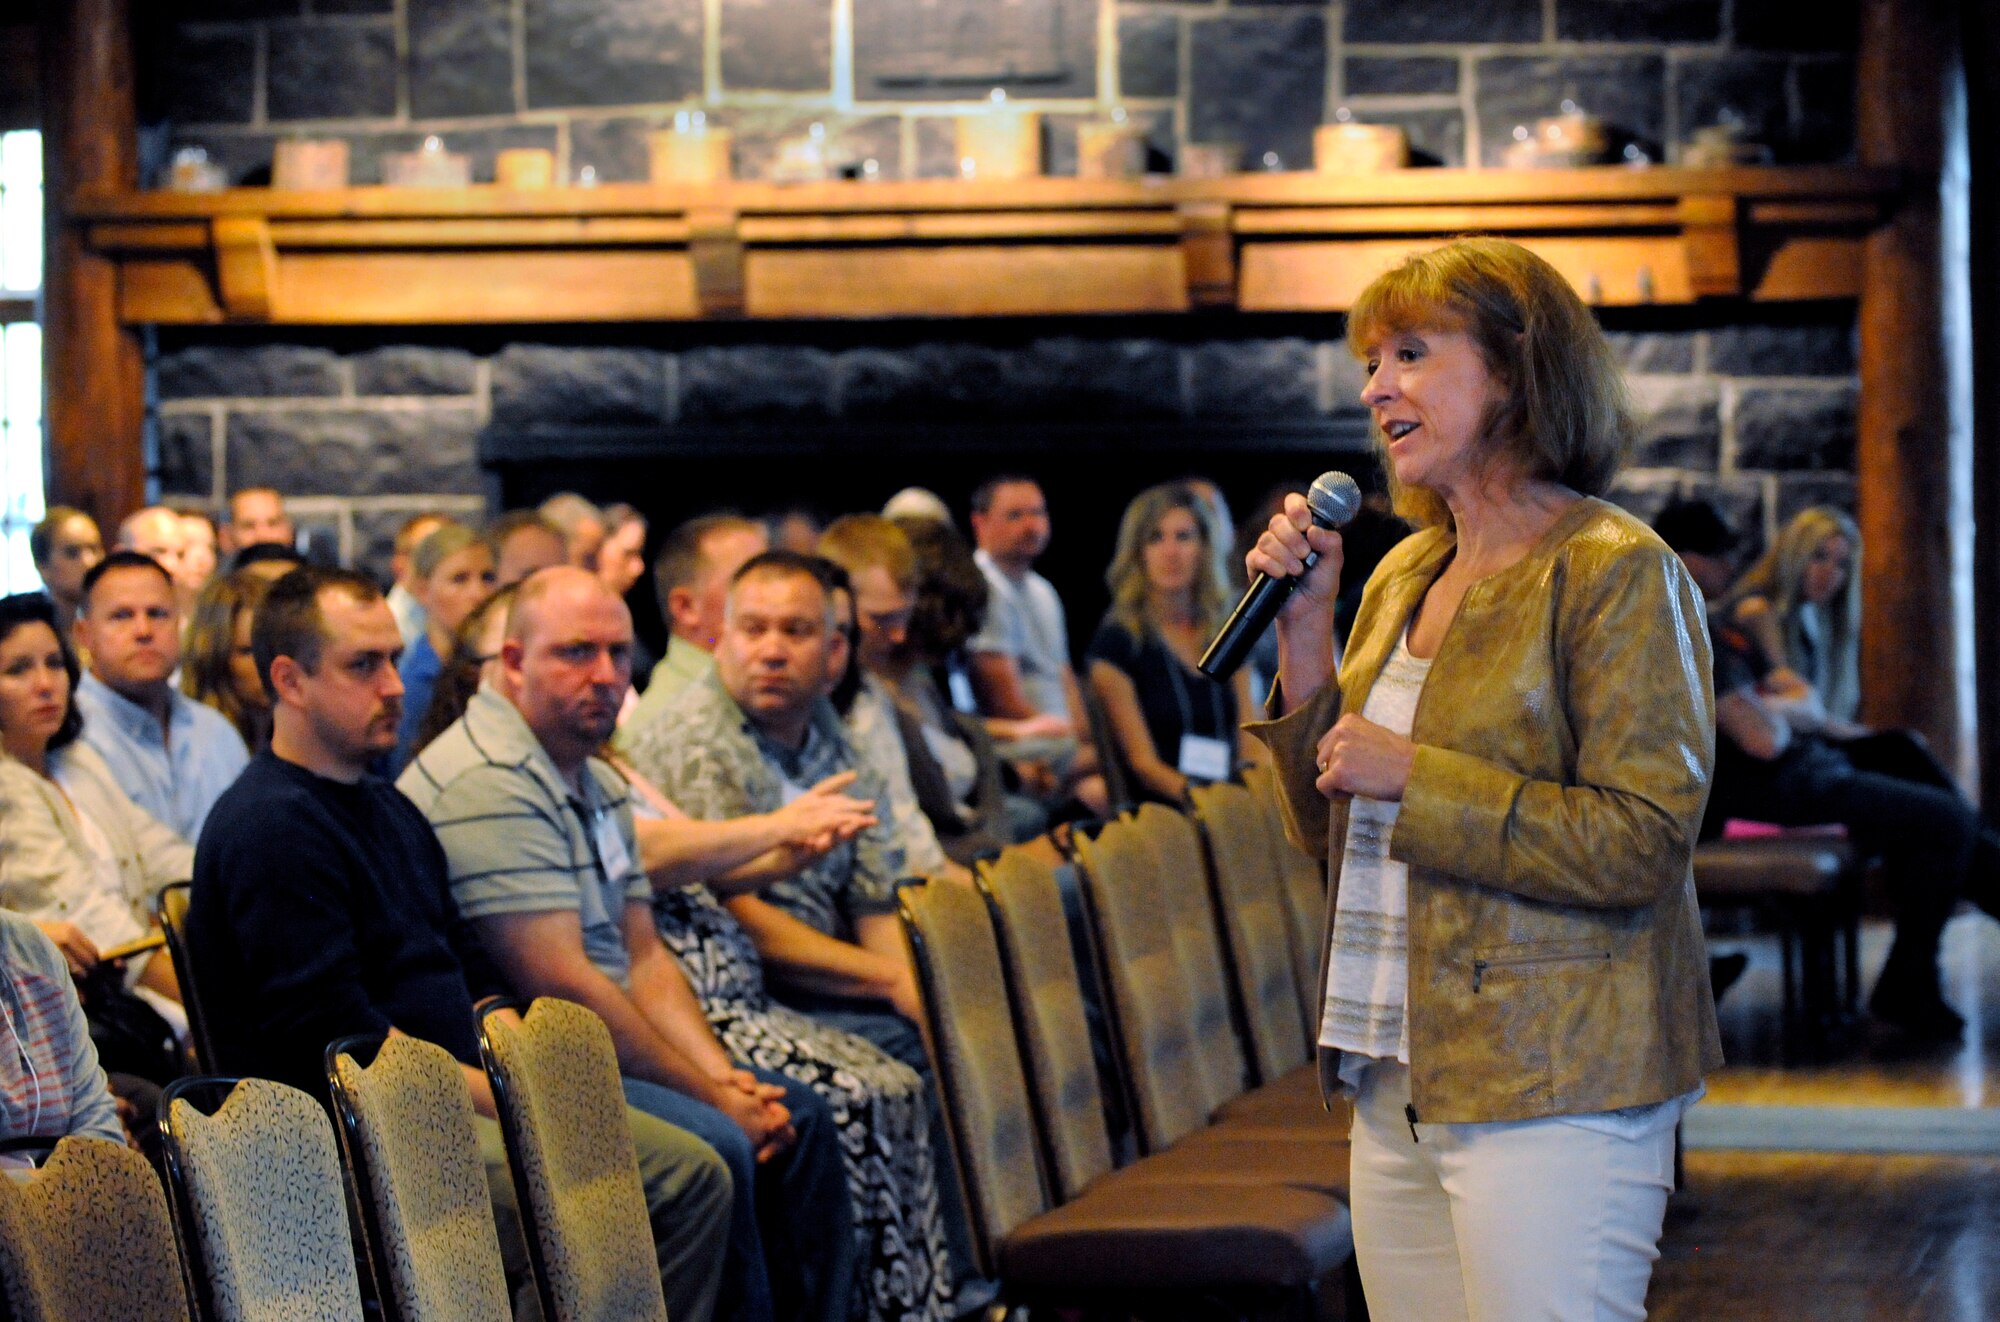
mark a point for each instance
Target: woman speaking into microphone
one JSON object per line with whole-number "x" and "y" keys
{"x": 1505, "y": 776}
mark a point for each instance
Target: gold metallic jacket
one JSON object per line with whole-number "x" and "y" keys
{"x": 1565, "y": 738}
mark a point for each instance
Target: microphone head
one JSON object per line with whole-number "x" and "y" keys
{"x": 1334, "y": 499}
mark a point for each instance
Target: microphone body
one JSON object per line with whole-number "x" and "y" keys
{"x": 1334, "y": 499}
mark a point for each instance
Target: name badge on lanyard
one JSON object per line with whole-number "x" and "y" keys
{"x": 611, "y": 848}
{"x": 1203, "y": 758}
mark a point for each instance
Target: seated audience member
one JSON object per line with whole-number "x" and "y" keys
{"x": 474, "y": 659}
{"x": 454, "y": 573}
{"x": 64, "y": 545}
{"x": 1774, "y": 764}
{"x": 322, "y": 909}
{"x": 402, "y": 598}
{"x": 77, "y": 858}
{"x": 1706, "y": 544}
{"x": 50, "y": 1083}
{"x": 960, "y": 784}
{"x": 257, "y": 517}
{"x": 881, "y": 570}
{"x": 1173, "y": 726}
{"x": 269, "y": 561}
{"x": 171, "y": 755}
{"x": 581, "y": 524}
{"x": 217, "y": 665}
{"x": 621, "y": 563}
{"x": 1020, "y": 659}
{"x": 1800, "y": 604}
{"x": 198, "y": 552}
{"x": 156, "y": 533}
{"x": 539, "y": 841}
{"x": 918, "y": 503}
{"x": 692, "y": 578}
{"x": 794, "y": 528}
{"x": 522, "y": 541}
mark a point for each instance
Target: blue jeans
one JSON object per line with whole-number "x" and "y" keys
{"x": 791, "y": 1255}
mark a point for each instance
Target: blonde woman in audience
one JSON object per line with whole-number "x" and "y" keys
{"x": 81, "y": 860}
{"x": 454, "y": 573}
{"x": 1173, "y": 726}
{"x": 475, "y": 656}
{"x": 198, "y": 546}
{"x": 1801, "y": 605}
{"x": 217, "y": 667}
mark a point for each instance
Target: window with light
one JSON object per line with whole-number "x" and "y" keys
{"x": 20, "y": 355}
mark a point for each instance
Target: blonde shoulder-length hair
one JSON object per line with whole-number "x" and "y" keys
{"x": 1779, "y": 578}
{"x": 1565, "y": 417}
{"x": 1127, "y": 576}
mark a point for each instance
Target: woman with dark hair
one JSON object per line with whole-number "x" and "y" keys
{"x": 1506, "y": 776}
{"x": 80, "y": 859}
{"x": 1173, "y": 726}
{"x": 216, "y": 665}
{"x": 475, "y": 653}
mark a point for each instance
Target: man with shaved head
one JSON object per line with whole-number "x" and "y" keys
{"x": 257, "y": 517}
{"x": 540, "y": 843}
{"x": 157, "y": 533}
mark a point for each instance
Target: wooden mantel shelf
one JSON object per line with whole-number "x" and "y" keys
{"x": 1255, "y": 243}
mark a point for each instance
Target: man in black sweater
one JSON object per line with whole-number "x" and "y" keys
{"x": 321, "y": 909}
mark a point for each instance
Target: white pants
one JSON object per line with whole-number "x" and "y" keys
{"x": 1507, "y": 1222}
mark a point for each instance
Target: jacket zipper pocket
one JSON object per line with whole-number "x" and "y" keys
{"x": 1480, "y": 966}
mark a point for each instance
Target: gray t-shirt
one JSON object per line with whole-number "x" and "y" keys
{"x": 517, "y": 839}
{"x": 1024, "y": 621}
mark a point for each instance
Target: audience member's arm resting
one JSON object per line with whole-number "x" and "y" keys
{"x": 661, "y": 992}
{"x": 1745, "y": 720}
{"x": 541, "y": 954}
{"x": 1120, "y": 700}
{"x": 808, "y": 958}
{"x": 996, "y": 684}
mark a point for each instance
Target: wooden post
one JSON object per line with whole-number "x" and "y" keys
{"x": 1909, "y": 421}
{"x": 94, "y": 367}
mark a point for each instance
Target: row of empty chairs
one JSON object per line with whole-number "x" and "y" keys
{"x": 260, "y": 1191}
{"x": 1239, "y": 1194}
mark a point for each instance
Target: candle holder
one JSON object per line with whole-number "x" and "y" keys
{"x": 692, "y": 151}
{"x": 1112, "y": 148}
{"x": 308, "y": 163}
{"x": 525, "y": 168}
{"x": 1000, "y": 142}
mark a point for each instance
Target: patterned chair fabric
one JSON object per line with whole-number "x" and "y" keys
{"x": 1303, "y": 888}
{"x": 1179, "y": 878}
{"x": 265, "y": 1217}
{"x": 89, "y": 1239}
{"x": 563, "y": 1112}
{"x": 415, "y": 1152}
{"x": 1049, "y": 1017}
{"x": 1154, "y": 1023}
{"x": 1250, "y": 898}
{"x": 979, "y": 1070}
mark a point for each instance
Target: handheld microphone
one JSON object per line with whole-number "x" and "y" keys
{"x": 1334, "y": 499}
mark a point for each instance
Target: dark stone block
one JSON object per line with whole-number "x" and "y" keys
{"x": 412, "y": 369}
{"x": 1437, "y": 137}
{"x": 1739, "y": 498}
{"x": 761, "y": 133}
{"x": 331, "y": 71}
{"x": 1149, "y": 55}
{"x": 354, "y": 6}
{"x": 248, "y": 372}
{"x": 1780, "y": 350}
{"x": 1066, "y": 378}
{"x": 1627, "y": 91}
{"x": 186, "y": 454}
{"x": 1060, "y": 140}
{"x": 1834, "y": 25}
{"x": 461, "y": 58}
{"x": 1348, "y": 376}
{"x": 778, "y": 45}
{"x": 755, "y": 385}
{"x": 1744, "y": 89}
{"x": 1259, "y": 81}
{"x": 206, "y": 76}
{"x": 1680, "y": 422}
{"x": 1653, "y": 351}
{"x": 1256, "y": 379}
{"x": 956, "y": 50}
{"x": 1070, "y": 377}
{"x": 1639, "y": 20}
{"x": 1413, "y": 75}
{"x": 612, "y": 52}
{"x": 482, "y": 145}
{"x": 1802, "y": 491}
{"x": 1415, "y": 21}
{"x": 537, "y": 385}
{"x": 1795, "y": 427}
{"x": 935, "y": 378}
{"x": 615, "y": 148}
{"x": 937, "y": 147}
{"x": 1824, "y": 128}
{"x": 354, "y": 451}
{"x": 1645, "y": 491}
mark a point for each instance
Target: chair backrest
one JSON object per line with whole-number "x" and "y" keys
{"x": 979, "y": 1073}
{"x": 1152, "y": 1022}
{"x": 1303, "y": 887}
{"x": 1111, "y": 762}
{"x": 259, "y": 1202}
{"x": 1249, "y": 895}
{"x": 171, "y": 907}
{"x": 1045, "y": 991}
{"x": 89, "y": 1239}
{"x": 562, "y": 1110}
{"x": 406, "y": 1130}
{"x": 1180, "y": 881}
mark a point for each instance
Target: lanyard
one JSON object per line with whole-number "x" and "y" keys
{"x": 1176, "y": 674}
